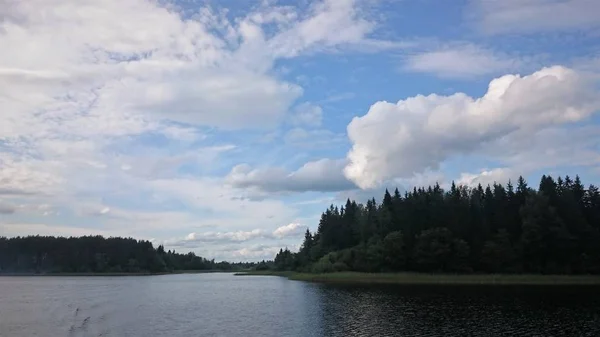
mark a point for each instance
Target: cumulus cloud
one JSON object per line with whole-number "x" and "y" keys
{"x": 291, "y": 230}
{"x": 530, "y": 16}
{"x": 418, "y": 133}
{"x": 195, "y": 240}
{"x": 461, "y": 61}
{"x": 550, "y": 147}
{"x": 488, "y": 177}
{"x": 324, "y": 175}
{"x": 547, "y": 149}
{"x": 255, "y": 252}
{"x": 260, "y": 252}
{"x": 237, "y": 236}
{"x": 427, "y": 178}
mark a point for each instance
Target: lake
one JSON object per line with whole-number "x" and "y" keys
{"x": 226, "y": 305}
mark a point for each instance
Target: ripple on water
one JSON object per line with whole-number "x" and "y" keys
{"x": 223, "y": 305}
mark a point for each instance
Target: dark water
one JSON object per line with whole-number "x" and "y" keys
{"x": 224, "y": 305}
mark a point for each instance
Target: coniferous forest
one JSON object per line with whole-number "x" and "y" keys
{"x": 554, "y": 229}
{"x": 96, "y": 254}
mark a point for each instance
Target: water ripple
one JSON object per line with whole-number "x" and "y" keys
{"x": 224, "y": 305}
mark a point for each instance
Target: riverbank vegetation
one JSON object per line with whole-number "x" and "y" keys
{"x": 90, "y": 255}
{"x": 408, "y": 278}
{"x": 497, "y": 229}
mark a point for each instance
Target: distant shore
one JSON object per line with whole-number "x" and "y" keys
{"x": 117, "y": 274}
{"x": 433, "y": 279}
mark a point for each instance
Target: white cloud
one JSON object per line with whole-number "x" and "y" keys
{"x": 231, "y": 241}
{"x": 547, "y": 149}
{"x": 160, "y": 163}
{"x": 118, "y": 72}
{"x": 418, "y": 133}
{"x": 316, "y": 138}
{"x": 254, "y": 253}
{"x": 488, "y": 177}
{"x": 290, "y": 230}
{"x": 338, "y": 97}
{"x": 214, "y": 195}
{"x": 7, "y": 208}
{"x": 19, "y": 176}
{"x": 307, "y": 114}
{"x": 250, "y": 253}
{"x": 238, "y": 236}
{"x": 427, "y": 178}
{"x": 322, "y": 175}
{"x": 24, "y": 229}
{"x": 143, "y": 222}
{"x": 204, "y": 70}
{"x": 461, "y": 61}
{"x": 98, "y": 79}
{"x": 95, "y": 80}
{"x": 530, "y": 16}
{"x": 573, "y": 146}
{"x": 589, "y": 64}
{"x": 98, "y": 211}
{"x": 330, "y": 23}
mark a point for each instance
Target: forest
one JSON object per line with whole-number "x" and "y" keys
{"x": 497, "y": 229}
{"x": 96, "y": 254}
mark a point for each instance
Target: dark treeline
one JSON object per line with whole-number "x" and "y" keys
{"x": 493, "y": 229}
{"x": 96, "y": 254}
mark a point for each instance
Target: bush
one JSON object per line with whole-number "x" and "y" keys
{"x": 340, "y": 266}
{"x": 323, "y": 266}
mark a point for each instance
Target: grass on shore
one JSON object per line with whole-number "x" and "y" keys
{"x": 433, "y": 279}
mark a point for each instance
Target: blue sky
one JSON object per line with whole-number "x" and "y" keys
{"x": 226, "y": 127}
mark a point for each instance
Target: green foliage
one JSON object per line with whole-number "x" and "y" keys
{"x": 325, "y": 264}
{"x": 498, "y": 254}
{"x": 285, "y": 260}
{"x": 495, "y": 229}
{"x": 332, "y": 262}
{"x": 437, "y": 250}
{"x": 96, "y": 254}
{"x": 263, "y": 265}
{"x": 394, "y": 251}
{"x": 374, "y": 254}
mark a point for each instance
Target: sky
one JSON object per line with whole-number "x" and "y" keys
{"x": 226, "y": 127}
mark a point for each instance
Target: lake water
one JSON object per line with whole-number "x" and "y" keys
{"x": 225, "y": 305}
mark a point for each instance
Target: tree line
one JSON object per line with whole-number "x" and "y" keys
{"x": 496, "y": 229}
{"x": 96, "y": 254}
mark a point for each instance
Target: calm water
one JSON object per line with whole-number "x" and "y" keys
{"x": 224, "y": 305}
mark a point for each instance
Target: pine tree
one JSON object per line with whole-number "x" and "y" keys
{"x": 493, "y": 229}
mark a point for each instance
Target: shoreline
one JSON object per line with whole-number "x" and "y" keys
{"x": 177, "y": 272}
{"x": 433, "y": 279}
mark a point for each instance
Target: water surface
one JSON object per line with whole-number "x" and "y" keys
{"x": 225, "y": 305}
